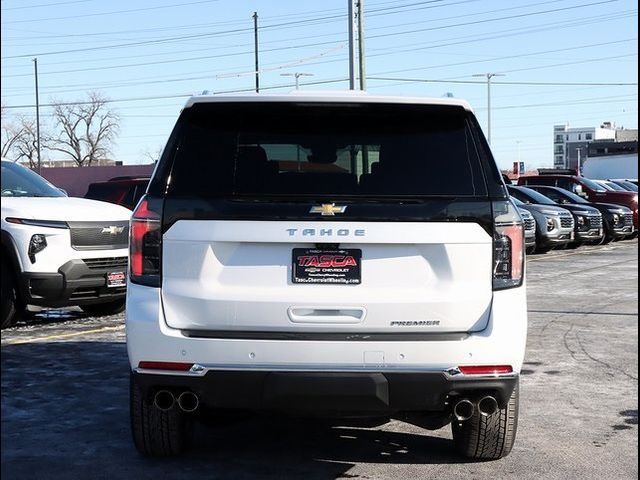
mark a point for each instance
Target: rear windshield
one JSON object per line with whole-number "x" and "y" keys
{"x": 298, "y": 150}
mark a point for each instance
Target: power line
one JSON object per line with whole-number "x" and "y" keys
{"x": 478, "y": 82}
{"x": 299, "y": 22}
{"x": 101, "y": 14}
{"x": 46, "y": 5}
{"x": 518, "y": 31}
{"x": 162, "y": 97}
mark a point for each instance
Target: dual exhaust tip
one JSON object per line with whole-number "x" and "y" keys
{"x": 465, "y": 408}
{"x": 165, "y": 400}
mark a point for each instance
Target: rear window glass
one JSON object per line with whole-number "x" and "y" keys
{"x": 291, "y": 149}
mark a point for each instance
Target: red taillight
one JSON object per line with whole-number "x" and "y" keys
{"x": 485, "y": 369}
{"x": 145, "y": 244}
{"x": 508, "y": 246}
{"x": 176, "y": 366}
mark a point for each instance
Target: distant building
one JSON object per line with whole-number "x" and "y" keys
{"x": 72, "y": 163}
{"x": 570, "y": 144}
{"x": 612, "y": 160}
{"x": 627, "y": 135}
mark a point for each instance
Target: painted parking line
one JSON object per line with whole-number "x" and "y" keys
{"x": 64, "y": 335}
{"x": 584, "y": 252}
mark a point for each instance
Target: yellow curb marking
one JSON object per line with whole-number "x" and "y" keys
{"x": 64, "y": 335}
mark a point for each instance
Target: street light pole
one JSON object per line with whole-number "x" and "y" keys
{"x": 35, "y": 66}
{"x": 297, "y": 75}
{"x": 489, "y": 76}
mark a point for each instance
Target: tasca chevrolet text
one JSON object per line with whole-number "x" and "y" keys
{"x": 334, "y": 255}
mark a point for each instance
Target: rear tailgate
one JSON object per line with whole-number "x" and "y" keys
{"x": 415, "y": 277}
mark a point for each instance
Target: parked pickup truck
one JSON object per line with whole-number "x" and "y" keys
{"x": 586, "y": 188}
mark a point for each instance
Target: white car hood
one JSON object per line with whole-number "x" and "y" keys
{"x": 66, "y": 209}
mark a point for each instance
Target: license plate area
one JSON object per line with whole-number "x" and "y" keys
{"x": 320, "y": 266}
{"x": 116, "y": 279}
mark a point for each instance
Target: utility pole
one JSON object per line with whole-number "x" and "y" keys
{"x": 35, "y": 66}
{"x": 297, "y": 75}
{"x": 361, "y": 54}
{"x": 579, "y": 150}
{"x": 489, "y": 76}
{"x": 352, "y": 46}
{"x": 255, "y": 42}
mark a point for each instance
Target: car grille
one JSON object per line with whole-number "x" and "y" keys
{"x": 106, "y": 263}
{"x": 595, "y": 221}
{"x": 628, "y": 219}
{"x": 566, "y": 222}
{"x": 529, "y": 224}
{"x": 99, "y": 235}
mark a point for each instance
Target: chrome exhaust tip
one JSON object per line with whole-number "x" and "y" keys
{"x": 487, "y": 405}
{"x": 164, "y": 400}
{"x": 463, "y": 410}
{"x": 188, "y": 402}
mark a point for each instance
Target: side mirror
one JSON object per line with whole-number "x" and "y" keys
{"x": 578, "y": 190}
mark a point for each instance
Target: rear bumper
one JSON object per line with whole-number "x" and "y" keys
{"x": 336, "y": 393}
{"x": 73, "y": 284}
{"x": 500, "y": 341}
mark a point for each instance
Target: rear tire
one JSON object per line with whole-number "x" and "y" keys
{"x": 157, "y": 433}
{"x": 104, "y": 309}
{"x": 10, "y": 308}
{"x": 490, "y": 437}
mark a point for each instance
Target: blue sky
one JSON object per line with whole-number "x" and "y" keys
{"x": 562, "y": 59}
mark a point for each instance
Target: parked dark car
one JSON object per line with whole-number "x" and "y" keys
{"x": 125, "y": 191}
{"x": 616, "y": 219}
{"x": 587, "y": 188}
{"x": 529, "y": 226}
{"x": 587, "y": 220}
{"x": 626, "y": 184}
{"x": 554, "y": 225}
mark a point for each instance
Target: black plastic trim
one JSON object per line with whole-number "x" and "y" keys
{"x": 328, "y": 336}
{"x": 331, "y": 392}
{"x": 358, "y": 210}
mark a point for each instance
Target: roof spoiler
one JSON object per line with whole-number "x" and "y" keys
{"x": 557, "y": 171}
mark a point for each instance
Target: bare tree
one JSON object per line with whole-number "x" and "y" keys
{"x": 155, "y": 154}
{"x": 86, "y": 129}
{"x": 26, "y": 147}
{"x": 12, "y": 133}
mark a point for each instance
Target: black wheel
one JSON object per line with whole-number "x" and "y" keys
{"x": 10, "y": 308}
{"x": 488, "y": 437}
{"x": 103, "y": 309}
{"x": 157, "y": 433}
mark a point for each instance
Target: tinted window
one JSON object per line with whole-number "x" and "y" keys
{"x": 593, "y": 185}
{"x": 559, "y": 196}
{"x": 528, "y": 195}
{"x": 287, "y": 149}
{"x": 102, "y": 191}
{"x": 129, "y": 199}
{"x": 18, "y": 181}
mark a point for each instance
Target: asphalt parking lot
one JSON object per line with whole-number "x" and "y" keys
{"x": 65, "y": 399}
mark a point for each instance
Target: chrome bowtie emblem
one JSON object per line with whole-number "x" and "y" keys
{"x": 112, "y": 230}
{"x": 328, "y": 209}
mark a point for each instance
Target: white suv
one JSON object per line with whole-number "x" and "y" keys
{"x": 341, "y": 255}
{"x": 59, "y": 251}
